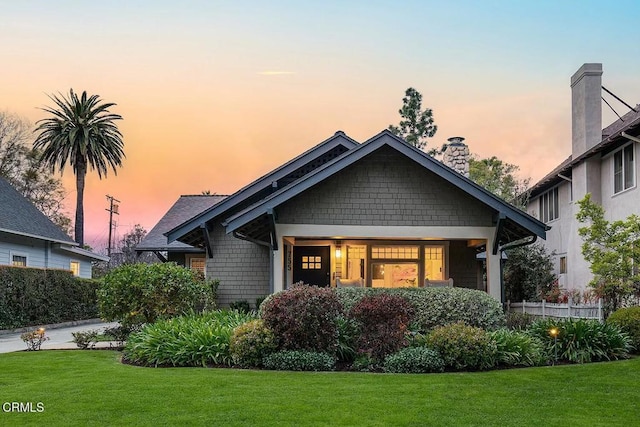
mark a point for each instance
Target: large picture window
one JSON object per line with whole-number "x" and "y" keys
{"x": 623, "y": 169}
{"x": 549, "y": 206}
{"x": 19, "y": 260}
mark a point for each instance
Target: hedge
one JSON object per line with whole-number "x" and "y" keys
{"x": 31, "y": 296}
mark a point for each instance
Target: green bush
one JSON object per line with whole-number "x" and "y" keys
{"x": 628, "y": 319}
{"x": 582, "y": 341}
{"x": 251, "y": 342}
{"x": 295, "y": 360}
{"x": 32, "y": 296}
{"x": 240, "y": 305}
{"x": 383, "y": 321}
{"x": 517, "y": 348}
{"x": 348, "y": 333}
{"x": 303, "y": 318}
{"x": 135, "y": 294}
{"x": 519, "y": 321}
{"x": 189, "y": 340}
{"x": 414, "y": 360}
{"x": 463, "y": 347}
{"x": 85, "y": 339}
{"x": 438, "y": 306}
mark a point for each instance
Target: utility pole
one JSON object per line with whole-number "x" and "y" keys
{"x": 113, "y": 210}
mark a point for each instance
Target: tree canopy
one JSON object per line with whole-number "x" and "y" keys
{"x": 500, "y": 178}
{"x": 613, "y": 250}
{"x": 416, "y": 125}
{"x": 20, "y": 165}
{"x": 82, "y": 132}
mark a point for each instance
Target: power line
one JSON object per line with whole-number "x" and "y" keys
{"x": 113, "y": 209}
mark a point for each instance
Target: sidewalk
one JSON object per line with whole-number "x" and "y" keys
{"x": 59, "y": 336}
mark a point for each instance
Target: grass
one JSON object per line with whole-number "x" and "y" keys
{"x": 94, "y": 388}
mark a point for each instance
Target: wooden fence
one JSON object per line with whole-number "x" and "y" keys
{"x": 569, "y": 310}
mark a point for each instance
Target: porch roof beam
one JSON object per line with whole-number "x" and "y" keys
{"x": 502, "y": 218}
{"x": 207, "y": 241}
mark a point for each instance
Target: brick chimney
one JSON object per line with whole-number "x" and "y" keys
{"x": 456, "y": 155}
{"x": 586, "y": 108}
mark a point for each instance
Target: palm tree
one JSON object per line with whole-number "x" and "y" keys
{"x": 80, "y": 131}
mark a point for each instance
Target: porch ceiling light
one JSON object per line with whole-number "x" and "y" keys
{"x": 338, "y": 252}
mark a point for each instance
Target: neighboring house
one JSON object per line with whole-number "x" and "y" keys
{"x": 379, "y": 214}
{"x": 602, "y": 163}
{"x": 29, "y": 239}
{"x": 185, "y": 208}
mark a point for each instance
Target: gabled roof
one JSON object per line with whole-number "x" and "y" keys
{"x": 612, "y": 138}
{"x": 19, "y": 216}
{"x": 516, "y": 224}
{"x": 326, "y": 151}
{"x": 185, "y": 208}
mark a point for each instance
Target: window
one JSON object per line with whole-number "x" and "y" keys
{"x": 623, "y": 169}
{"x": 74, "y": 266}
{"x": 563, "y": 265}
{"x": 197, "y": 264}
{"x": 19, "y": 260}
{"x": 434, "y": 262}
{"x": 549, "y": 208}
{"x": 395, "y": 266}
{"x": 311, "y": 263}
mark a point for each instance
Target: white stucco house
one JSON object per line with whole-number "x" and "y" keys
{"x": 603, "y": 162}
{"x": 29, "y": 239}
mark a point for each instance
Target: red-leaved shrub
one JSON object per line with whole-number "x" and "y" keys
{"x": 383, "y": 320}
{"x": 303, "y": 318}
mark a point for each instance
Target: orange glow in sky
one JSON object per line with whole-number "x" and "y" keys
{"x": 215, "y": 94}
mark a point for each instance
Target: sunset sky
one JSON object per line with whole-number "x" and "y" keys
{"x": 216, "y": 93}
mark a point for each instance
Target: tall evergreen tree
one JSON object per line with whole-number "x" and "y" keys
{"x": 416, "y": 125}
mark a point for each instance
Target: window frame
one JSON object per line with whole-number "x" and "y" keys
{"x": 549, "y": 205}
{"x": 71, "y": 263}
{"x": 624, "y": 176}
{"x": 24, "y": 255}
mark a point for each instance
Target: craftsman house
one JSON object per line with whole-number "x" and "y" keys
{"x": 377, "y": 214}
{"x": 29, "y": 239}
{"x": 185, "y": 208}
{"x": 602, "y": 163}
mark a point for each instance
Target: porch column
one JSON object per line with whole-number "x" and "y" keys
{"x": 493, "y": 273}
{"x": 277, "y": 270}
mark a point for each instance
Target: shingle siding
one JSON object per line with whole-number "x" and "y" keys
{"x": 241, "y": 267}
{"x": 385, "y": 189}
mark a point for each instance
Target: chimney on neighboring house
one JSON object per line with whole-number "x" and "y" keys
{"x": 586, "y": 130}
{"x": 456, "y": 155}
{"x": 586, "y": 108}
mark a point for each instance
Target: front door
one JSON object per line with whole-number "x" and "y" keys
{"x": 311, "y": 265}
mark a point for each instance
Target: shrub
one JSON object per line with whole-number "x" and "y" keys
{"x": 519, "y": 321}
{"x": 582, "y": 341}
{"x": 348, "y": 333}
{"x": 303, "y": 318}
{"x": 189, "y": 340}
{"x": 134, "y": 294}
{"x": 295, "y": 360}
{"x": 251, "y": 342}
{"x": 414, "y": 360}
{"x": 628, "y": 319}
{"x": 528, "y": 273}
{"x": 32, "y": 296}
{"x": 34, "y": 339}
{"x": 85, "y": 339}
{"x": 463, "y": 347}
{"x": 383, "y": 321}
{"x": 240, "y": 305}
{"x": 438, "y": 306}
{"x": 517, "y": 348}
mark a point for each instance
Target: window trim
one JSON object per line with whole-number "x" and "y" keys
{"x": 20, "y": 254}
{"x": 549, "y": 210}
{"x": 621, "y": 154}
{"x": 73, "y": 261}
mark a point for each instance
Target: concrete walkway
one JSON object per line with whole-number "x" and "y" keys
{"x": 59, "y": 336}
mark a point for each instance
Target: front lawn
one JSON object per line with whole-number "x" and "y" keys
{"x": 94, "y": 388}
